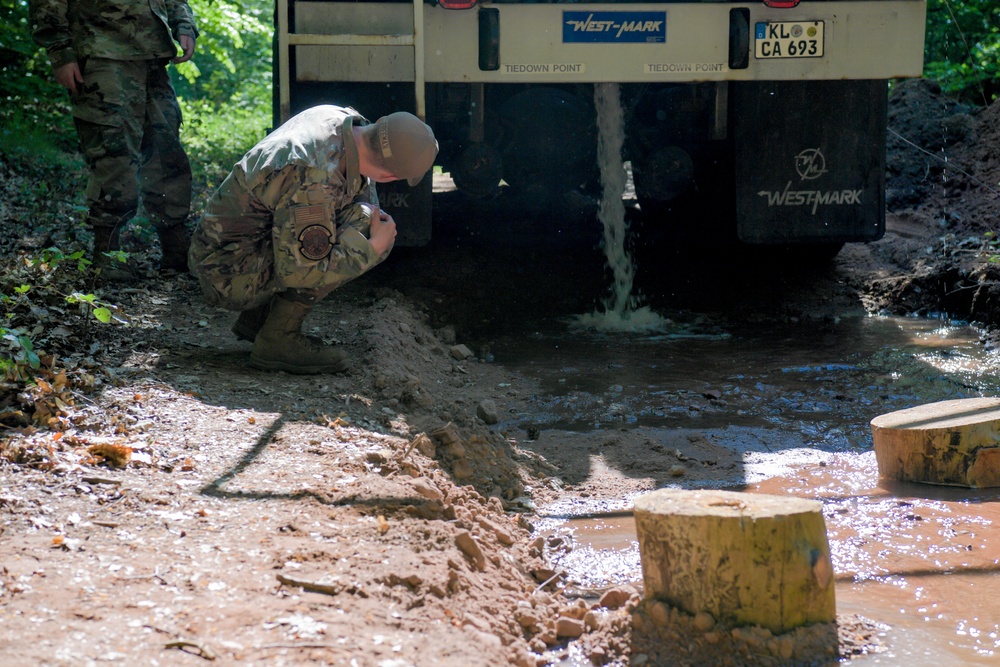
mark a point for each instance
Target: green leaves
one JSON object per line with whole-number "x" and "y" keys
{"x": 21, "y": 350}
{"x": 962, "y": 48}
{"x": 34, "y": 291}
{"x": 100, "y": 310}
{"x": 991, "y": 247}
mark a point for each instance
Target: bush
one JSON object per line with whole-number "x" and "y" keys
{"x": 962, "y": 49}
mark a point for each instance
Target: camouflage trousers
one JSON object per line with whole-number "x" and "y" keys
{"x": 128, "y": 123}
{"x": 232, "y": 252}
{"x": 233, "y": 248}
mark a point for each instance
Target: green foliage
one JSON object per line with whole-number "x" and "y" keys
{"x": 962, "y": 49}
{"x": 29, "y": 96}
{"x": 44, "y": 303}
{"x": 216, "y": 136}
{"x": 991, "y": 248}
{"x": 225, "y": 90}
{"x": 21, "y": 354}
{"x": 233, "y": 54}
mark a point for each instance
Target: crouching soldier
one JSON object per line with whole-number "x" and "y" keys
{"x": 298, "y": 217}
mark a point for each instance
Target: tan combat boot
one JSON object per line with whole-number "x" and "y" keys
{"x": 250, "y": 322}
{"x": 174, "y": 244}
{"x": 280, "y": 345}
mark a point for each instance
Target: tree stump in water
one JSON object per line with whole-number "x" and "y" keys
{"x": 747, "y": 559}
{"x": 956, "y": 443}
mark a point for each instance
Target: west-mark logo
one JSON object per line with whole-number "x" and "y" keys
{"x": 648, "y": 27}
{"x": 810, "y": 164}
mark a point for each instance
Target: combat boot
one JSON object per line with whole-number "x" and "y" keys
{"x": 250, "y": 322}
{"x": 106, "y": 239}
{"x": 174, "y": 244}
{"x": 280, "y": 345}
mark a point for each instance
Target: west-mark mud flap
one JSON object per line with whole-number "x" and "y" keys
{"x": 810, "y": 160}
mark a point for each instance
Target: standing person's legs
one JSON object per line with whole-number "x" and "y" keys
{"x": 166, "y": 171}
{"x": 108, "y": 113}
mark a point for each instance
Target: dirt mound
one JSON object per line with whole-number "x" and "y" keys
{"x": 943, "y": 198}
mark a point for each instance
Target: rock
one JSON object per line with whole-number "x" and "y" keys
{"x": 659, "y": 613}
{"x": 523, "y": 658}
{"x": 537, "y": 546}
{"x": 527, "y": 618}
{"x": 446, "y": 434}
{"x": 426, "y": 488}
{"x": 460, "y": 352}
{"x": 378, "y": 457}
{"x": 541, "y": 598}
{"x": 574, "y": 612}
{"x": 615, "y": 598}
{"x": 677, "y": 470}
{"x": 487, "y": 411}
{"x": 703, "y": 621}
{"x": 425, "y": 445}
{"x": 503, "y": 537}
{"x": 549, "y": 637}
{"x": 470, "y": 548}
{"x": 543, "y": 574}
{"x": 569, "y": 627}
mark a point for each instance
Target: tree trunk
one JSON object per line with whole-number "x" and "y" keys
{"x": 747, "y": 559}
{"x": 951, "y": 442}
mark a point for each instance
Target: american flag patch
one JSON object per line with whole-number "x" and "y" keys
{"x": 308, "y": 215}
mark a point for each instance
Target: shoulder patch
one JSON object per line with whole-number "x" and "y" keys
{"x": 315, "y": 242}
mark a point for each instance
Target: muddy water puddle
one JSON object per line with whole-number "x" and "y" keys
{"x": 777, "y": 411}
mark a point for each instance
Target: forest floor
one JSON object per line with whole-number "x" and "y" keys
{"x": 162, "y": 503}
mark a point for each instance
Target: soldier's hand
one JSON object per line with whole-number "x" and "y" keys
{"x": 383, "y": 232}
{"x": 68, "y": 76}
{"x": 187, "y": 45}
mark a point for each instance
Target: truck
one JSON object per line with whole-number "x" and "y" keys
{"x": 759, "y": 122}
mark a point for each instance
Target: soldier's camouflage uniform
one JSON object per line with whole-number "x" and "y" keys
{"x": 286, "y": 220}
{"x": 126, "y": 114}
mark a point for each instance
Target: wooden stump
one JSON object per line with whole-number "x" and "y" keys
{"x": 747, "y": 559}
{"x": 956, "y": 443}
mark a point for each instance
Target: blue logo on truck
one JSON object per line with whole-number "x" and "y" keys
{"x": 615, "y": 27}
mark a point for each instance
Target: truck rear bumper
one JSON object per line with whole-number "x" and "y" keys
{"x": 635, "y": 42}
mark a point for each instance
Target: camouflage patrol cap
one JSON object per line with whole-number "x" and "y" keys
{"x": 407, "y": 145}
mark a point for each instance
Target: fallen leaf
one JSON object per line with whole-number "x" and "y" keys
{"x": 116, "y": 455}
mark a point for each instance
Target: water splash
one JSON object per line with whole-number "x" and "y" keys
{"x": 622, "y": 311}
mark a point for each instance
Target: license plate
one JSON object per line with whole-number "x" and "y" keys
{"x": 788, "y": 39}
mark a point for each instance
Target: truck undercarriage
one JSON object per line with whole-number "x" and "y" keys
{"x": 763, "y": 122}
